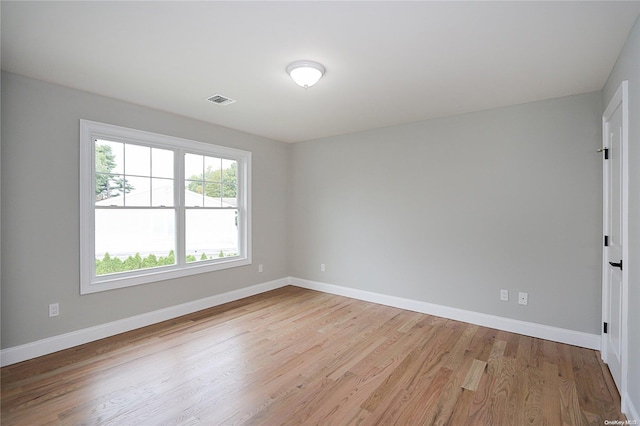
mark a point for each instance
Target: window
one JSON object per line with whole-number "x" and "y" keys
{"x": 155, "y": 207}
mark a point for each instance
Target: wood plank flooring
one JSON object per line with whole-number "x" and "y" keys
{"x": 293, "y": 356}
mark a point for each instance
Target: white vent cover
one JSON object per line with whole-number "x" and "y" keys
{"x": 220, "y": 100}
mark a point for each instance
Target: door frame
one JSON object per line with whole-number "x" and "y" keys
{"x": 620, "y": 98}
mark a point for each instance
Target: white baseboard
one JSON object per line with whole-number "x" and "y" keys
{"x": 629, "y": 409}
{"x": 561, "y": 335}
{"x": 64, "y": 341}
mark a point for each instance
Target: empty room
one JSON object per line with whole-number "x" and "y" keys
{"x": 320, "y": 213}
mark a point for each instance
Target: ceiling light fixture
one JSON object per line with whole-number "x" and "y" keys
{"x": 305, "y": 73}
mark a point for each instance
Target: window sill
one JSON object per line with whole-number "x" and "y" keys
{"x": 112, "y": 282}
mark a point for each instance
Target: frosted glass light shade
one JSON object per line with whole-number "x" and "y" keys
{"x": 305, "y": 73}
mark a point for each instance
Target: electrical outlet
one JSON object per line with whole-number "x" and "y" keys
{"x": 322, "y": 268}
{"x": 523, "y": 298}
{"x": 260, "y": 268}
{"x": 504, "y": 295}
{"x": 54, "y": 310}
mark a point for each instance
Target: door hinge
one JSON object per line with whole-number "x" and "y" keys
{"x": 616, "y": 265}
{"x": 606, "y": 241}
{"x": 606, "y": 326}
{"x": 606, "y": 152}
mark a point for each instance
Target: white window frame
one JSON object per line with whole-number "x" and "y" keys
{"x": 89, "y": 132}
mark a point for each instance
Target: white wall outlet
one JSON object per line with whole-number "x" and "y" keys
{"x": 260, "y": 268}
{"x": 523, "y": 298}
{"x": 504, "y": 295}
{"x": 54, "y": 310}
{"x": 322, "y": 267}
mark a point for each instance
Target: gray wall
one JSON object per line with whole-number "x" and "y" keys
{"x": 450, "y": 211}
{"x": 40, "y": 214}
{"x": 628, "y": 68}
{"x": 446, "y": 211}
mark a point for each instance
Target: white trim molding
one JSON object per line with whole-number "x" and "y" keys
{"x": 64, "y": 341}
{"x": 561, "y": 335}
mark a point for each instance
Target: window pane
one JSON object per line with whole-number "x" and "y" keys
{"x": 161, "y": 163}
{"x": 211, "y": 234}
{"x": 137, "y": 191}
{"x": 193, "y": 166}
{"x": 108, "y": 166}
{"x": 212, "y": 191}
{"x": 193, "y": 194}
{"x": 212, "y": 167}
{"x": 230, "y": 167}
{"x": 162, "y": 192}
{"x": 133, "y": 239}
{"x": 109, "y": 156}
{"x": 230, "y": 183}
{"x": 109, "y": 190}
{"x": 137, "y": 160}
{"x": 229, "y": 202}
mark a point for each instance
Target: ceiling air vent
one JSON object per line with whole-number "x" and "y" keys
{"x": 220, "y": 100}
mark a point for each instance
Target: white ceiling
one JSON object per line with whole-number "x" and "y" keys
{"x": 387, "y": 62}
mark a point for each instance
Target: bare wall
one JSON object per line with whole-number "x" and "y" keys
{"x": 40, "y": 211}
{"x": 450, "y": 211}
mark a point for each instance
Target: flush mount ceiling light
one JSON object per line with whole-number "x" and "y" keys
{"x": 305, "y": 73}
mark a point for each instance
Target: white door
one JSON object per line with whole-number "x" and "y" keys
{"x": 614, "y": 275}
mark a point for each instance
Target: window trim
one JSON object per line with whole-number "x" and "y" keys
{"x": 91, "y": 130}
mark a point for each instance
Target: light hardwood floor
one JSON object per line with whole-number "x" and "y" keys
{"x": 295, "y": 356}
